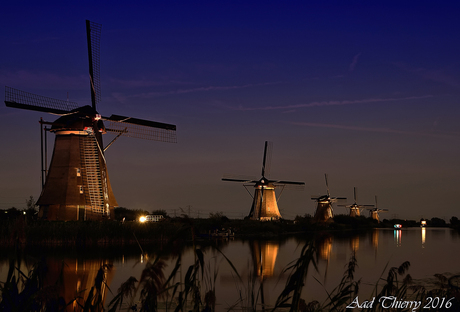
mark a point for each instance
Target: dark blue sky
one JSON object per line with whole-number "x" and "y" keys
{"x": 368, "y": 93}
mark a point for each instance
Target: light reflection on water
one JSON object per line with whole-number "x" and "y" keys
{"x": 429, "y": 250}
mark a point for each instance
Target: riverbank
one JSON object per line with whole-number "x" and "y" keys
{"x": 114, "y": 233}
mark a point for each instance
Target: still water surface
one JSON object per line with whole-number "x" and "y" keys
{"x": 429, "y": 250}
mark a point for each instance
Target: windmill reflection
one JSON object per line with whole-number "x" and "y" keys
{"x": 77, "y": 277}
{"x": 324, "y": 246}
{"x": 264, "y": 255}
{"x": 423, "y": 236}
{"x": 375, "y": 238}
{"x": 354, "y": 242}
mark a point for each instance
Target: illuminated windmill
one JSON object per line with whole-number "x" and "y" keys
{"x": 374, "y": 212}
{"x": 324, "y": 210}
{"x": 265, "y": 204}
{"x": 77, "y": 183}
{"x": 355, "y": 209}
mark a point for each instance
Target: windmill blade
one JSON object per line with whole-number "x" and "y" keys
{"x": 341, "y": 200}
{"x": 266, "y": 164}
{"x": 142, "y": 129}
{"x": 287, "y": 182}
{"x": 93, "y": 36}
{"x": 291, "y": 185}
{"x": 25, "y": 100}
{"x": 320, "y": 197}
{"x": 238, "y": 180}
{"x": 354, "y": 194}
{"x": 327, "y": 185}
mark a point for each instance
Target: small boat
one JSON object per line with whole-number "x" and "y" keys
{"x": 397, "y": 226}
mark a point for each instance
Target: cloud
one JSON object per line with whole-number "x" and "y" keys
{"x": 380, "y": 130}
{"x": 331, "y": 103}
{"x": 354, "y": 62}
{"x": 201, "y": 89}
{"x": 434, "y": 75}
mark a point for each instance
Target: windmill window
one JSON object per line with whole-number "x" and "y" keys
{"x": 78, "y": 172}
{"x": 81, "y": 189}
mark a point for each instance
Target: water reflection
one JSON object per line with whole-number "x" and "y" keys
{"x": 324, "y": 246}
{"x": 423, "y": 236}
{"x": 429, "y": 250}
{"x": 375, "y": 238}
{"x": 397, "y": 237}
{"x": 264, "y": 255}
{"x": 354, "y": 242}
{"x": 77, "y": 277}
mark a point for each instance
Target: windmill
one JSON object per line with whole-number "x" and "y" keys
{"x": 77, "y": 184}
{"x": 355, "y": 209}
{"x": 374, "y": 212}
{"x": 265, "y": 204}
{"x": 324, "y": 210}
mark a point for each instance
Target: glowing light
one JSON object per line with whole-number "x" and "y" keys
{"x": 142, "y": 219}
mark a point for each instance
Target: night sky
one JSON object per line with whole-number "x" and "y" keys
{"x": 367, "y": 93}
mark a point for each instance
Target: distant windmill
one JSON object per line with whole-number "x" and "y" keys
{"x": 355, "y": 209}
{"x": 374, "y": 212}
{"x": 324, "y": 205}
{"x": 77, "y": 184}
{"x": 264, "y": 205}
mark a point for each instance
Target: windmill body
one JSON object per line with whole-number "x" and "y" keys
{"x": 355, "y": 211}
{"x": 324, "y": 210}
{"x": 265, "y": 204}
{"x": 77, "y": 183}
{"x": 374, "y": 212}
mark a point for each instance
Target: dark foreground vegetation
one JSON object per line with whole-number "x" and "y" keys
{"x": 154, "y": 290}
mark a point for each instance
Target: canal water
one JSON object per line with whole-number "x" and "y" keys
{"x": 236, "y": 269}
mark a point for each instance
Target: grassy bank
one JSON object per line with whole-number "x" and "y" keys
{"x": 23, "y": 231}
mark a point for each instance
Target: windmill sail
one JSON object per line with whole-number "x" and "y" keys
{"x": 140, "y": 128}
{"x": 93, "y": 35}
{"x": 24, "y": 100}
